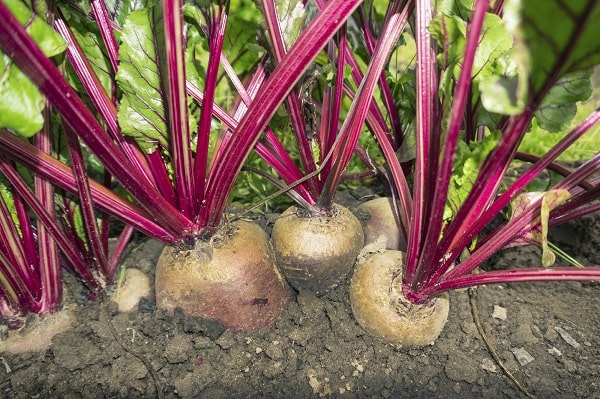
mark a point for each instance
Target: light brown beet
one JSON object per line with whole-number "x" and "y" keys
{"x": 381, "y": 309}
{"x": 379, "y": 220}
{"x": 231, "y": 279}
{"x": 316, "y": 252}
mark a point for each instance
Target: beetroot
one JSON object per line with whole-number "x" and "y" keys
{"x": 316, "y": 252}
{"x": 382, "y": 310}
{"x": 379, "y": 223}
{"x": 231, "y": 279}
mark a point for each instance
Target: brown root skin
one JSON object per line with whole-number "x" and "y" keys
{"x": 380, "y": 308}
{"x": 232, "y": 279}
{"x": 316, "y": 253}
{"x": 378, "y": 219}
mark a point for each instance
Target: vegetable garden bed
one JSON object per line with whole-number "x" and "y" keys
{"x": 316, "y": 349}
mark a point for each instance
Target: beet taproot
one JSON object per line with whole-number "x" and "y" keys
{"x": 231, "y": 279}
{"x": 380, "y": 224}
{"x": 316, "y": 252}
{"x": 381, "y": 309}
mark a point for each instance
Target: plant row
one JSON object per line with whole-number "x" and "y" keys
{"x": 153, "y": 116}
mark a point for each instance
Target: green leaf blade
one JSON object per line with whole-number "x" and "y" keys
{"x": 554, "y": 37}
{"x": 141, "y": 110}
{"x": 21, "y": 103}
{"x": 292, "y": 16}
{"x": 560, "y": 104}
{"x": 469, "y": 159}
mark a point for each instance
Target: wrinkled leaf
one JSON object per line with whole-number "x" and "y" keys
{"x": 538, "y": 228}
{"x": 560, "y": 104}
{"x": 502, "y": 88}
{"x": 495, "y": 72}
{"x": 450, "y": 33}
{"x": 504, "y": 93}
{"x": 141, "y": 110}
{"x": 196, "y": 51}
{"x": 538, "y": 141}
{"x": 240, "y": 44}
{"x": 465, "y": 170}
{"x": 553, "y": 37}
{"x": 495, "y": 42}
{"x": 7, "y": 196}
{"x": 291, "y": 15}
{"x": 120, "y": 9}
{"x": 89, "y": 40}
{"x": 21, "y": 103}
{"x": 460, "y": 8}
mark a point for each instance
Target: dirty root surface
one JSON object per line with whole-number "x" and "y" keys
{"x": 546, "y": 335}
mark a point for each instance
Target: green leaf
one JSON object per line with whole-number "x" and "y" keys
{"x": 141, "y": 110}
{"x": 495, "y": 41}
{"x": 404, "y": 94}
{"x": 538, "y": 227}
{"x": 450, "y": 33}
{"x": 538, "y": 141}
{"x": 553, "y": 38}
{"x": 375, "y": 11}
{"x": 495, "y": 71}
{"x": 545, "y": 181}
{"x": 48, "y": 40}
{"x": 196, "y": 51}
{"x": 246, "y": 9}
{"x": 559, "y": 106}
{"x": 460, "y": 8}
{"x": 469, "y": 159}
{"x": 21, "y": 103}
{"x": 7, "y": 196}
{"x": 88, "y": 37}
{"x": 240, "y": 44}
{"x": 504, "y": 93}
{"x": 291, "y": 15}
{"x": 120, "y": 9}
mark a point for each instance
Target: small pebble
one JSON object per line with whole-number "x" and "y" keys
{"x": 499, "y": 312}
{"x": 523, "y": 357}
{"x": 554, "y": 351}
{"x": 489, "y": 365}
{"x": 567, "y": 337}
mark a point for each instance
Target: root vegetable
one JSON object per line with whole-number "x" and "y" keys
{"x": 316, "y": 252}
{"x": 231, "y": 279}
{"x": 382, "y": 310}
{"x": 379, "y": 220}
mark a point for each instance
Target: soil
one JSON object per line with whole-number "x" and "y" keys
{"x": 546, "y": 335}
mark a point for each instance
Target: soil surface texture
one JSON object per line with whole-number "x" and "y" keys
{"x": 547, "y": 336}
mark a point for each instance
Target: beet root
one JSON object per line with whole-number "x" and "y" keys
{"x": 316, "y": 252}
{"x": 380, "y": 224}
{"x": 231, "y": 279}
{"x": 381, "y": 309}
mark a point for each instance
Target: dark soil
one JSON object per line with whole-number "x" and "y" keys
{"x": 548, "y": 339}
